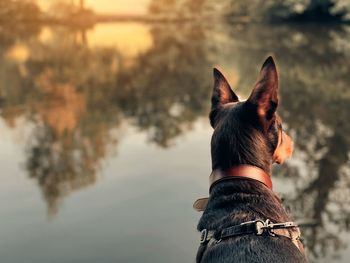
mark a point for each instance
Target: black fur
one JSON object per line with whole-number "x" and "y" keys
{"x": 237, "y": 139}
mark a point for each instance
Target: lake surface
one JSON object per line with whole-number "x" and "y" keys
{"x": 105, "y": 138}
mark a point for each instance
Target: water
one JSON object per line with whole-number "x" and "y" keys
{"x": 105, "y": 138}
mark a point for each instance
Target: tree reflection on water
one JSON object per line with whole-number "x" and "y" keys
{"x": 77, "y": 98}
{"x": 164, "y": 92}
{"x": 76, "y": 95}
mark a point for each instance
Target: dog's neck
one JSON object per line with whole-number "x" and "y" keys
{"x": 246, "y": 172}
{"x": 249, "y": 172}
{"x": 242, "y": 200}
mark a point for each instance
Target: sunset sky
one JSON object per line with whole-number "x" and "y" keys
{"x": 111, "y": 6}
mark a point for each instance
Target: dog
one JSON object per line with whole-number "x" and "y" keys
{"x": 244, "y": 220}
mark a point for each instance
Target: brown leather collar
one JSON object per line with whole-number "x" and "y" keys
{"x": 238, "y": 172}
{"x": 241, "y": 171}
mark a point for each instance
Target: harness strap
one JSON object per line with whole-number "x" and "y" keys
{"x": 243, "y": 229}
{"x": 257, "y": 227}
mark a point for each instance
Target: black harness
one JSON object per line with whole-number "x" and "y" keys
{"x": 257, "y": 227}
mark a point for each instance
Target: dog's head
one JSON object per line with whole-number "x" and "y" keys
{"x": 248, "y": 132}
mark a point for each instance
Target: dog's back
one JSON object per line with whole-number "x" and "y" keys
{"x": 247, "y": 134}
{"x": 236, "y": 202}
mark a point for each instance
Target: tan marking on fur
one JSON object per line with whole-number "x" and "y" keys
{"x": 284, "y": 149}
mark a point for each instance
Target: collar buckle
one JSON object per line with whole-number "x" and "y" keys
{"x": 268, "y": 227}
{"x": 260, "y": 227}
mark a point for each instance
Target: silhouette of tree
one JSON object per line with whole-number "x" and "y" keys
{"x": 180, "y": 9}
{"x": 296, "y": 10}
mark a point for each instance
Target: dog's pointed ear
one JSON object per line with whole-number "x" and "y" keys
{"x": 222, "y": 94}
{"x": 264, "y": 97}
